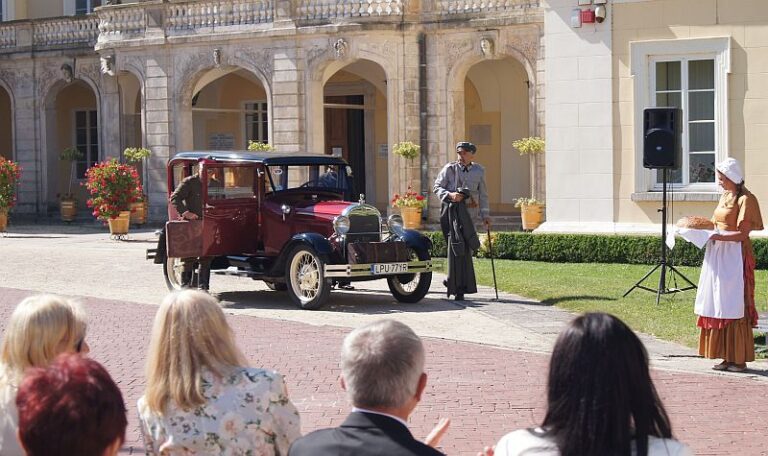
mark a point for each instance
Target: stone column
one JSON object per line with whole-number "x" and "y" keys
{"x": 26, "y": 134}
{"x": 288, "y": 125}
{"x": 110, "y": 118}
{"x": 158, "y": 125}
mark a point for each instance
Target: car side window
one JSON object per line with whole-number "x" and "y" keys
{"x": 230, "y": 182}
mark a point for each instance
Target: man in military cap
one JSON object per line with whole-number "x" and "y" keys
{"x": 460, "y": 185}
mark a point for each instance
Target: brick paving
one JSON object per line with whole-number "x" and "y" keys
{"x": 485, "y": 390}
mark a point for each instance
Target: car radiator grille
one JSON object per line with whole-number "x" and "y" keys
{"x": 364, "y": 228}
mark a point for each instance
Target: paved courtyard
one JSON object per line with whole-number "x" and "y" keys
{"x": 486, "y": 361}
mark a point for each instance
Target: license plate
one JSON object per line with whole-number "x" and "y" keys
{"x": 389, "y": 268}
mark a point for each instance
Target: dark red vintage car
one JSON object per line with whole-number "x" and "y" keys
{"x": 286, "y": 219}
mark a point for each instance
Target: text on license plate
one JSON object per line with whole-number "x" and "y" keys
{"x": 389, "y": 268}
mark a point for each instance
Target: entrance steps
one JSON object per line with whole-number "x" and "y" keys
{"x": 498, "y": 223}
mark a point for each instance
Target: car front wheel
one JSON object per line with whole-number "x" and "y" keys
{"x": 305, "y": 277}
{"x": 411, "y": 288}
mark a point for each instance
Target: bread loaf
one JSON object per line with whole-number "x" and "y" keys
{"x": 696, "y": 222}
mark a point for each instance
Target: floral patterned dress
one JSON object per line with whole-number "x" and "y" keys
{"x": 247, "y": 413}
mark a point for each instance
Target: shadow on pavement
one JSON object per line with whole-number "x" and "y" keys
{"x": 359, "y": 300}
{"x": 555, "y": 301}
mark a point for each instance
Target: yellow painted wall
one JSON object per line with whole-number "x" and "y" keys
{"x": 746, "y": 22}
{"x": 380, "y": 137}
{"x": 489, "y": 155}
{"x": 37, "y": 9}
{"x": 6, "y": 139}
{"x": 74, "y": 97}
{"x": 227, "y": 92}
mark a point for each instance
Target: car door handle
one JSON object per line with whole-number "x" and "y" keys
{"x": 209, "y": 206}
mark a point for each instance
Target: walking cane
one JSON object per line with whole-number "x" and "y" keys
{"x": 490, "y": 250}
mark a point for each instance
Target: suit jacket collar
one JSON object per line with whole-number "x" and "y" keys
{"x": 373, "y": 420}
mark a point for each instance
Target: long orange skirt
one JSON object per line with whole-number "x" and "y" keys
{"x": 732, "y": 340}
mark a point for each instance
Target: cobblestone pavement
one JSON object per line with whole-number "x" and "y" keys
{"x": 486, "y": 361}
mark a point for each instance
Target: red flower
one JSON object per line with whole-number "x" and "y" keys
{"x": 113, "y": 187}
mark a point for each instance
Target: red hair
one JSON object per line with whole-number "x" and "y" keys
{"x": 70, "y": 407}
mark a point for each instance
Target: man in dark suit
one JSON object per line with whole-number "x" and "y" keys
{"x": 382, "y": 368}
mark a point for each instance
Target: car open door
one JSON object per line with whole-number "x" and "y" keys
{"x": 230, "y": 208}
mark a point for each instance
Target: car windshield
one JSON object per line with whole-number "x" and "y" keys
{"x": 316, "y": 177}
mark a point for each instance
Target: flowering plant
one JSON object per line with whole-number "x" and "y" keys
{"x": 409, "y": 199}
{"x": 113, "y": 187}
{"x": 10, "y": 173}
{"x": 138, "y": 155}
{"x": 258, "y": 146}
{"x": 406, "y": 149}
{"x": 530, "y": 145}
{"x": 523, "y": 201}
{"x": 71, "y": 155}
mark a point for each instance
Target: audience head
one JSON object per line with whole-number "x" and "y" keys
{"x": 382, "y": 364}
{"x": 72, "y": 406}
{"x": 190, "y": 334}
{"x": 40, "y": 328}
{"x": 600, "y": 394}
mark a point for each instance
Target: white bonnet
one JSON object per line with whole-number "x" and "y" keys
{"x": 731, "y": 169}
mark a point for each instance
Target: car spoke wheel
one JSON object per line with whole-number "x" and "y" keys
{"x": 307, "y": 285}
{"x": 172, "y": 272}
{"x": 411, "y": 288}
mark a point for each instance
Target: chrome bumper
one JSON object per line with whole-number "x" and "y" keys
{"x": 364, "y": 270}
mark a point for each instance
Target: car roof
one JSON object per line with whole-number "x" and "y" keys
{"x": 267, "y": 158}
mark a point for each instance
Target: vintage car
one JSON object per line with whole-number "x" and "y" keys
{"x": 286, "y": 219}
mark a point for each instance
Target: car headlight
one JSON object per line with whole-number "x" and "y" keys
{"x": 395, "y": 224}
{"x": 341, "y": 225}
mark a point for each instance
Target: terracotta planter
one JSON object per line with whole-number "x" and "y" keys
{"x": 119, "y": 226}
{"x": 532, "y": 216}
{"x": 411, "y": 217}
{"x": 139, "y": 212}
{"x": 3, "y": 220}
{"x": 68, "y": 209}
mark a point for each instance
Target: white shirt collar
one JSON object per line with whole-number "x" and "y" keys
{"x": 362, "y": 410}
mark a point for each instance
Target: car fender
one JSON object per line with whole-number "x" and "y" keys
{"x": 415, "y": 240}
{"x": 317, "y": 241}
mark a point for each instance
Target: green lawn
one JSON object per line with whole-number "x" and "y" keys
{"x": 596, "y": 286}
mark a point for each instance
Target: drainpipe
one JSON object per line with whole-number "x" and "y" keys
{"x": 424, "y": 163}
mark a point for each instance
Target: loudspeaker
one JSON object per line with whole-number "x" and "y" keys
{"x": 662, "y": 146}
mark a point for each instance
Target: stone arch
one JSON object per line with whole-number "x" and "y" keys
{"x": 7, "y": 122}
{"x": 471, "y": 90}
{"x": 52, "y": 126}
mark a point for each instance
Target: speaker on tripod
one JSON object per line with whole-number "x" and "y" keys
{"x": 662, "y": 150}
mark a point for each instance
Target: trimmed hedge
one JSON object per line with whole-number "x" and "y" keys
{"x": 589, "y": 248}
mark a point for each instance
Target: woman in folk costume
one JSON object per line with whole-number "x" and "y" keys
{"x": 725, "y": 300}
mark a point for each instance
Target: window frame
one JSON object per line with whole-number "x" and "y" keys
{"x": 263, "y": 115}
{"x": 644, "y": 56}
{"x": 89, "y": 144}
{"x": 88, "y": 9}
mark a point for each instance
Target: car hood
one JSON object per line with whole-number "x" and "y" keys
{"x": 324, "y": 209}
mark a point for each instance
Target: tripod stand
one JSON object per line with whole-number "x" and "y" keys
{"x": 663, "y": 289}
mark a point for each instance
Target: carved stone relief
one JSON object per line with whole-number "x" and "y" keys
{"x": 217, "y": 57}
{"x": 487, "y": 48}
{"x": 340, "y": 48}
{"x": 456, "y": 48}
{"x": 527, "y": 45}
{"x": 314, "y": 57}
{"x": 262, "y": 60}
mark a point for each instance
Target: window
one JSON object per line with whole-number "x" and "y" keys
{"x": 86, "y": 6}
{"x": 256, "y": 122}
{"x": 230, "y": 182}
{"x": 690, "y": 84}
{"x": 691, "y": 74}
{"x": 86, "y": 139}
{"x": 2, "y": 10}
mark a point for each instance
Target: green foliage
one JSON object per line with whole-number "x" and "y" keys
{"x": 136, "y": 154}
{"x": 529, "y": 145}
{"x": 10, "y": 174}
{"x": 258, "y": 146}
{"x": 523, "y": 201}
{"x": 70, "y": 154}
{"x": 406, "y": 149}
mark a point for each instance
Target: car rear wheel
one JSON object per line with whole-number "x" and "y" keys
{"x": 411, "y": 288}
{"x": 172, "y": 272}
{"x": 305, "y": 277}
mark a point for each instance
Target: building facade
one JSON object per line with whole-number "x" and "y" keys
{"x": 708, "y": 57}
{"x": 341, "y": 77}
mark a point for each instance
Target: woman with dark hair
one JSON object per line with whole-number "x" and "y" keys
{"x": 600, "y": 398}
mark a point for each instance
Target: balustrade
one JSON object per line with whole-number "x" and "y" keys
{"x": 327, "y": 9}
{"x": 445, "y": 7}
{"x": 118, "y": 23}
{"x": 7, "y": 36}
{"x": 186, "y": 16}
{"x": 70, "y": 30}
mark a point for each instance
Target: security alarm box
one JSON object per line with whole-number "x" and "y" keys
{"x": 588, "y": 16}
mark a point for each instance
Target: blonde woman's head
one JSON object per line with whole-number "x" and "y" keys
{"x": 190, "y": 335}
{"x": 40, "y": 328}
